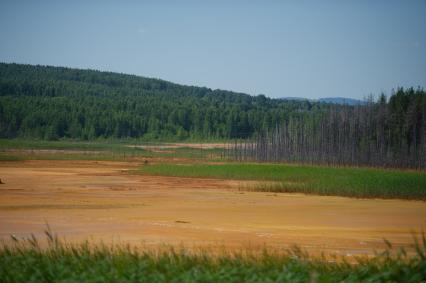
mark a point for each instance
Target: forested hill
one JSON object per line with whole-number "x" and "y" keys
{"x": 55, "y": 102}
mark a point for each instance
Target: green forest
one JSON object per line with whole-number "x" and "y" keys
{"x": 54, "y": 102}
{"x": 382, "y": 133}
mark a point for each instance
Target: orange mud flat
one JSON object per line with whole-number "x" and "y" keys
{"x": 101, "y": 201}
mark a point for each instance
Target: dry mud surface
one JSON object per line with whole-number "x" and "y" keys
{"x": 101, "y": 201}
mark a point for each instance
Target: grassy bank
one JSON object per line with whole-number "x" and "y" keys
{"x": 62, "y": 144}
{"x": 25, "y": 261}
{"x": 351, "y": 182}
{"x": 23, "y": 149}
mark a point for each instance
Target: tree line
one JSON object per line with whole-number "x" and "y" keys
{"x": 386, "y": 133}
{"x": 54, "y": 102}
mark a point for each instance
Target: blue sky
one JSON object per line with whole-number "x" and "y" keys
{"x": 278, "y": 48}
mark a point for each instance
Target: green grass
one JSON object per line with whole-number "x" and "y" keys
{"x": 87, "y": 155}
{"x": 26, "y": 261}
{"x": 61, "y": 144}
{"x": 350, "y": 182}
{"x": 10, "y": 157}
{"x": 104, "y": 156}
{"x": 93, "y": 150}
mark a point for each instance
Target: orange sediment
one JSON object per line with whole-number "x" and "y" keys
{"x": 99, "y": 200}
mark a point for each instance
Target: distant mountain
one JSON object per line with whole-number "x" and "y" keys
{"x": 294, "y": 98}
{"x": 330, "y": 100}
{"x": 341, "y": 100}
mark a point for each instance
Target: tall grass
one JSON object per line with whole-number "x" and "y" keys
{"x": 29, "y": 261}
{"x": 350, "y": 182}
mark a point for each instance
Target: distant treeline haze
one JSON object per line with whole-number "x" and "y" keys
{"x": 54, "y": 102}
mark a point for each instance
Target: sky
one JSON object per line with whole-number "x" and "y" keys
{"x": 301, "y": 48}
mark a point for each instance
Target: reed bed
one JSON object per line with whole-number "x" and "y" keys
{"x": 27, "y": 260}
{"x": 319, "y": 180}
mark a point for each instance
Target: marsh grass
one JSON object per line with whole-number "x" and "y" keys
{"x": 22, "y": 149}
{"x": 346, "y": 181}
{"x": 95, "y": 156}
{"x": 10, "y": 157}
{"x": 28, "y": 260}
{"x": 102, "y": 150}
{"x": 61, "y": 144}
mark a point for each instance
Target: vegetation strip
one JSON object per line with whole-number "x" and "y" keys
{"x": 27, "y": 149}
{"x": 27, "y": 261}
{"x": 349, "y": 182}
